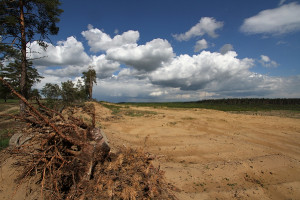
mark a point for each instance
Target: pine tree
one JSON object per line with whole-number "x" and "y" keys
{"x": 89, "y": 78}
{"x": 68, "y": 92}
{"x": 22, "y": 21}
{"x": 81, "y": 94}
{"x": 12, "y": 74}
{"x": 51, "y": 91}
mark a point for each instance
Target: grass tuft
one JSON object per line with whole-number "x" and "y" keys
{"x": 4, "y": 143}
{"x": 5, "y": 135}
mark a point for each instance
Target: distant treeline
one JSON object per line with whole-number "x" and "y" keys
{"x": 244, "y": 104}
{"x": 245, "y": 101}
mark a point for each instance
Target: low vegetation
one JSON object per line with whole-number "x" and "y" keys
{"x": 5, "y": 106}
{"x": 139, "y": 113}
{"x": 114, "y": 108}
{"x": 125, "y": 110}
{"x": 5, "y": 135}
{"x": 7, "y": 125}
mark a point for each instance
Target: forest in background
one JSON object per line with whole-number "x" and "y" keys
{"x": 234, "y": 104}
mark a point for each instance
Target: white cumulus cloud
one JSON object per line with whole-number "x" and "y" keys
{"x": 206, "y": 25}
{"x": 118, "y": 89}
{"x": 128, "y": 71}
{"x": 146, "y": 57}
{"x": 65, "y": 71}
{"x": 100, "y": 41}
{"x": 200, "y": 45}
{"x": 267, "y": 62}
{"x": 265, "y": 58}
{"x": 277, "y": 21}
{"x": 201, "y": 71}
{"x": 68, "y": 59}
{"x": 69, "y": 52}
{"x": 103, "y": 67}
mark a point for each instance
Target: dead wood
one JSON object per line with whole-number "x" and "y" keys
{"x": 49, "y": 111}
{"x": 73, "y": 159}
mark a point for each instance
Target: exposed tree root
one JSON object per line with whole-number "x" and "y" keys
{"x": 73, "y": 159}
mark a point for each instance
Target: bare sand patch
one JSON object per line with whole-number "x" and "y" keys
{"x": 210, "y": 154}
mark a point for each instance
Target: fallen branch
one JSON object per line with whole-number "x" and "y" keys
{"x": 45, "y": 119}
{"x": 50, "y": 110}
{"x": 74, "y": 161}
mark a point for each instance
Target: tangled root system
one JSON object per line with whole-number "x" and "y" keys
{"x": 72, "y": 159}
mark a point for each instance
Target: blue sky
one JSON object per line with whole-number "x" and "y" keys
{"x": 176, "y": 50}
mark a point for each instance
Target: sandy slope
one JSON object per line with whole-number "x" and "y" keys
{"x": 211, "y": 154}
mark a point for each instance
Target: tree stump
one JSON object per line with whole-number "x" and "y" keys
{"x": 95, "y": 151}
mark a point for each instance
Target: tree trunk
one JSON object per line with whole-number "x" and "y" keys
{"x": 91, "y": 87}
{"x": 23, "y": 84}
{"x": 91, "y": 90}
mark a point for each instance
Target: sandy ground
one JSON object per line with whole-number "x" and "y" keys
{"x": 210, "y": 154}
{"x": 206, "y": 154}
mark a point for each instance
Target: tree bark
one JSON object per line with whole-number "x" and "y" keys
{"x": 91, "y": 88}
{"x": 23, "y": 84}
